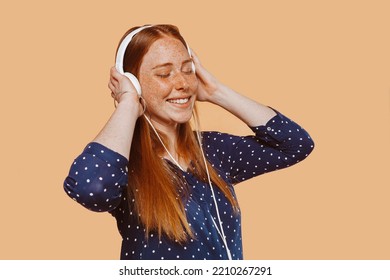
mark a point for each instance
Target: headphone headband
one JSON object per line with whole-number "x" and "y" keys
{"x": 123, "y": 46}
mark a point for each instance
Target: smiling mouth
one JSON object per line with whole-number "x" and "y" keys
{"x": 179, "y": 100}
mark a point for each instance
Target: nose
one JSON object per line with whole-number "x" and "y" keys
{"x": 181, "y": 83}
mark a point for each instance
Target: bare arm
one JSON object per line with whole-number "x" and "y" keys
{"x": 117, "y": 134}
{"x": 246, "y": 109}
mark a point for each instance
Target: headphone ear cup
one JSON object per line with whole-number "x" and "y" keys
{"x": 134, "y": 81}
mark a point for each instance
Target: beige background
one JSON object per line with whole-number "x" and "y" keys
{"x": 326, "y": 64}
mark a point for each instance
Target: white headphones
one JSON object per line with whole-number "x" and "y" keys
{"x": 121, "y": 54}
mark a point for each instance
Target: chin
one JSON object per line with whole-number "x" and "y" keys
{"x": 184, "y": 118}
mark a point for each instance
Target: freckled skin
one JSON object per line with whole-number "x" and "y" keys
{"x": 178, "y": 81}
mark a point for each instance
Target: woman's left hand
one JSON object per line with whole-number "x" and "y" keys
{"x": 211, "y": 90}
{"x": 208, "y": 84}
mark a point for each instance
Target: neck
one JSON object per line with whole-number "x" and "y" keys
{"x": 170, "y": 136}
{"x": 170, "y": 141}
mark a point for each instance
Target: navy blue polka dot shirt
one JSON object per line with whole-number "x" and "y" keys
{"x": 98, "y": 178}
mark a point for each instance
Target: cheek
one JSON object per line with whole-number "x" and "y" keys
{"x": 194, "y": 84}
{"x": 153, "y": 90}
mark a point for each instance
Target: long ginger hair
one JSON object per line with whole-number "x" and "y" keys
{"x": 155, "y": 192}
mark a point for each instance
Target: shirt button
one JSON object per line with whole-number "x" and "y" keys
{"x": 269, "y": 129}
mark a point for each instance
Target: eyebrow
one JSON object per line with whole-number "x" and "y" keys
{"x": 170, "y": 64}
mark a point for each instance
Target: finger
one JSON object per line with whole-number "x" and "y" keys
{"x": 116, "y": 75}
{"x": 113, "y": 71}
{"x": 200, "y": 71}
{"x": 198, "y": 66}
{"x": 111, "y": 87}
{"x": 114, "y": 82}
{"x": 195, "y": 57}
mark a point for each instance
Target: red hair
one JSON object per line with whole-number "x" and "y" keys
{"x": 156, "y": 189}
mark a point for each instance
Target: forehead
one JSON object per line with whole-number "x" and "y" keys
{"x": 165, "y": 50}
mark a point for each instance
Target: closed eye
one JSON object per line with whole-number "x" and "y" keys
{"x": 163, "y": 76}
{"x": 188, "y": 72}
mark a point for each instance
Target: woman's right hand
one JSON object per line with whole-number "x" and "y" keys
{"x": 123, "y": 90}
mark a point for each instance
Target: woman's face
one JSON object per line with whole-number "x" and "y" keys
{"x": 168, "y": 82}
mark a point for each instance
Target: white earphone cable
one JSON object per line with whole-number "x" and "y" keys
{"x": 162, "y": 143}
{"x": 220, "y": 228}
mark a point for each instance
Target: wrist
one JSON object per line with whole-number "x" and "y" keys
{"x": 221, "y": 95}
{"x": 130, "y": 104}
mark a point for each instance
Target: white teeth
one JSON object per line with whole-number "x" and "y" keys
{"x": 179, "y": 101}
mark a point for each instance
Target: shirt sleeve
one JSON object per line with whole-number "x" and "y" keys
{"x": 278, "y": 144}
{"x": 97, "y": 178}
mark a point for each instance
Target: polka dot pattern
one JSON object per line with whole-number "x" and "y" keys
{"x": 98, "y": 178}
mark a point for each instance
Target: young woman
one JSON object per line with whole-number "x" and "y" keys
{"x": 171, "y": 189}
